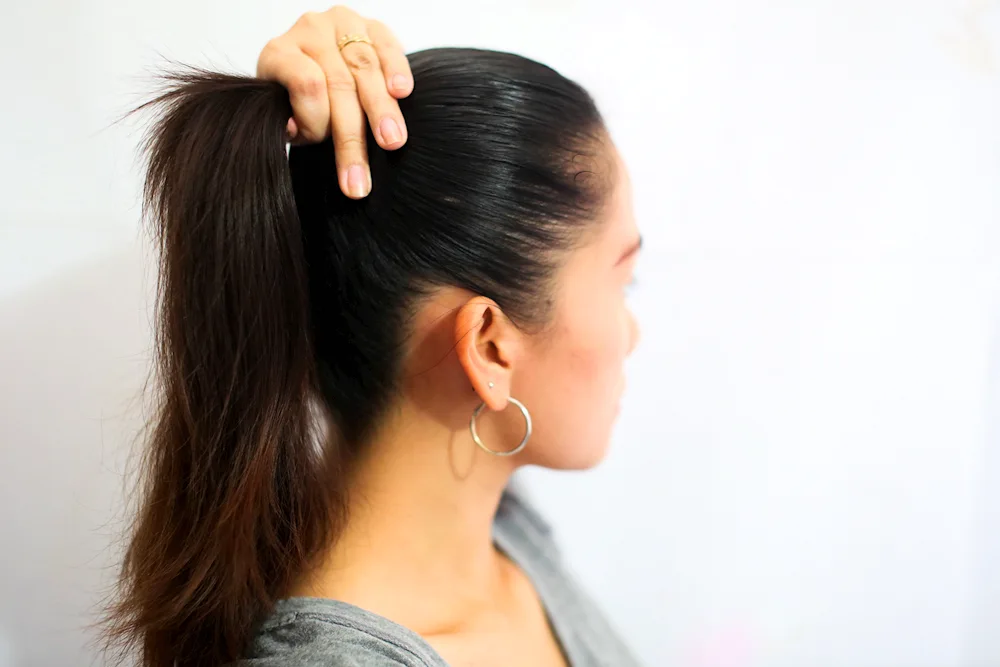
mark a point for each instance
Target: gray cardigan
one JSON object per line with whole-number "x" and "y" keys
{"x": 319, "y": 632}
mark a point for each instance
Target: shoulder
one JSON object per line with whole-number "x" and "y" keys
{"x": 314, "y": 632}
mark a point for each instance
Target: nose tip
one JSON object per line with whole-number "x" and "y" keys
{"x": 636, "y": 334}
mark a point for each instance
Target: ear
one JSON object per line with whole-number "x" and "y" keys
{"x": 488, "y": 346}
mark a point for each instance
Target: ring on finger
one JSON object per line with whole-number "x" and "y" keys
{"x": 349, "y": 39}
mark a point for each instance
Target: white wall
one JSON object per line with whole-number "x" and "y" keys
{"x": 807, "y": 468}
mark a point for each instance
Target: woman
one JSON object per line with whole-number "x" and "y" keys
{"x": 352, "y": 367}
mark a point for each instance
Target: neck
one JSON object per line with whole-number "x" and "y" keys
{"x": 419, "y": 530}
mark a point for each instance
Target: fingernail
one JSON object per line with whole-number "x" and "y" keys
{"x": 399, "y": 82}
{"x": 390, "y": 131}
{"x": 357, "y": 181}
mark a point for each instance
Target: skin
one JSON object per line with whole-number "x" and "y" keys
{"x": 418, "y": 548}
{"x": 337, "y": 91}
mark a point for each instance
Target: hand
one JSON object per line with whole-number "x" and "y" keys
{"x": 332, "y": 90}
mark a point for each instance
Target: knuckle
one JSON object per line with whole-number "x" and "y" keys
{"x": 383, "y": 35}
{"x": 309, "y": 19}
{"x": 306, "y": 85}
{"x": 350, "y": 143}
{"x": 378, "y": 28}
{"x": 360, "y": 59}
{"x": 341, "y": 84}
{"x": 269, "y": 55}
{"x": 272, "y": 46}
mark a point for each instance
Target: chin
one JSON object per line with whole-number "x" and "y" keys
{"x": 590, "y": 462}
{"x": 570, "y": 455}
{"x": 573, "y": 445}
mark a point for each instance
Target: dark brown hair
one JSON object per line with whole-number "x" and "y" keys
{"x": 282, "y": 306}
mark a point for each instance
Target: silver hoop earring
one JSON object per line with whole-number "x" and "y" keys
{"x": 524, "y": 441}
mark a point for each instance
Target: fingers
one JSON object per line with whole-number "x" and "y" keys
{"x": 347, "y": 125}
{"x": 395, "y": 66}
{"x": 336, "y": 91}
{"x": 381, "y": 108}
{"x": 305, "y": 81}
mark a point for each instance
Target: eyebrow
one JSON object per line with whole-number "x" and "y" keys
{"x": 634, "y": 248}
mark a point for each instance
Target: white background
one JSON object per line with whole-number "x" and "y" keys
{"x": 807, "y": 467}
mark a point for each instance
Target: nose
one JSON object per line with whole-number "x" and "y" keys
{"x": 634, "y": 334}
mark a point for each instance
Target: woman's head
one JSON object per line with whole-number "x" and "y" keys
{"x": 510, "y": 204}
{"x": 492, "y": 248}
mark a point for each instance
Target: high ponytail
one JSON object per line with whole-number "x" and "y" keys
{"x": 234, "y": 499}
{"x": 284, "y": 309}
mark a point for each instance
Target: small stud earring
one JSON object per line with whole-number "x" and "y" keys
{"x": 491, "y": 385}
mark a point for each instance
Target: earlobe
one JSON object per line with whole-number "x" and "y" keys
{"x": 485, "y": 344}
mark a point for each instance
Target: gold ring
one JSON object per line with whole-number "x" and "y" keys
{"x": 348, "y": 39}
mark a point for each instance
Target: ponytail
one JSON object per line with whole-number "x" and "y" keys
{"x": 280, "y": 309}
{"x": 233, "y": 497}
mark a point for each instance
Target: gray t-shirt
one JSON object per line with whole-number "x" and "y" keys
{"x": 320, "y": 632}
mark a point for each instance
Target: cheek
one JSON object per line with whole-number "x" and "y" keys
{"x": 582, "y": 385}
{"x": 574, "y": 382}
{"x": 599, "y": 355}
{"x": 590, "y": 361}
